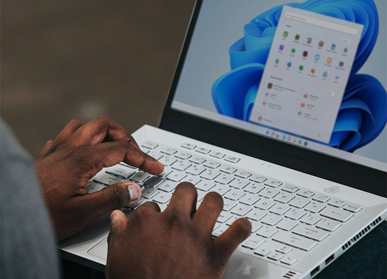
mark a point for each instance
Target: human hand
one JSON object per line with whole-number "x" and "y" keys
{"x": 176, "y": 243}
{"x": 80, "y": 151}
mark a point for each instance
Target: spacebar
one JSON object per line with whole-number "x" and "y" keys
{"x": 294, "y": 240}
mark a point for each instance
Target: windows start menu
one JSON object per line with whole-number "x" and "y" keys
{"x": 306, "y": 74}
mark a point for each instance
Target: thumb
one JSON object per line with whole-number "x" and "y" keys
{"x": 118, "y": 224}
{"x": 112, "y": 197}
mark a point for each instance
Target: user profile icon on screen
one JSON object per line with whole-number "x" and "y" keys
{"x": 270, "y": 85}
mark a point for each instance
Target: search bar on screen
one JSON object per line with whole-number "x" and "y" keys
{"x": 322, "y": 23}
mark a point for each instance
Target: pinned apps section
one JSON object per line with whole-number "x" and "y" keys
{"x": 306, "y": 73}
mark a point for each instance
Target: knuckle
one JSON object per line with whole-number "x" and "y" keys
{"x": 75, "y": 122}
{"x": 104, "y": 118}
{"x": 177, "y": 219}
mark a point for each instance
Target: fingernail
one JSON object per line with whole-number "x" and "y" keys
{"x": 112, "y": 217}
{"x": 133, "y": 192}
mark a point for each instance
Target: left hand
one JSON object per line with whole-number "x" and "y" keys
{"x": 80, "y": 151}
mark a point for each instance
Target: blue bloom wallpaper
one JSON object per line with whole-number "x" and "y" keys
{"x": 363, "y": 111}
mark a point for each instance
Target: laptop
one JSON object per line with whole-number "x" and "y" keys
{"x": 280, "y": 108}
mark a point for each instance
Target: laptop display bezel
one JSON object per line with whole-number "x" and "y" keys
{"x": 324, "y": 166}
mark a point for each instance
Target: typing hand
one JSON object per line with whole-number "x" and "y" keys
{"x": 78, "y": 153}
{"x": 176, "y": 243}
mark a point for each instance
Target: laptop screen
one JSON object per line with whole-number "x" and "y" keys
{"x": 310, "y": 74}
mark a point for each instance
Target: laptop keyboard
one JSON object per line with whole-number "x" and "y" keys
{"x": 288, "y": 221}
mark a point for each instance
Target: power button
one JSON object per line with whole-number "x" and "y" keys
{"x": 332, "y": 189}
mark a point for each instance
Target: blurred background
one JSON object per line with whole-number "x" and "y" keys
{"x": 79, "y": 59}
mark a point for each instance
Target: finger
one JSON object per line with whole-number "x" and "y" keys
{"x": 112, "y": 197}
{"x": 152, "y": 205}
{"x": 101, "y": 129}
{"x": 46, "y": 147}
{"x": 118, "y": 225}
{"x": 208, "y": 212}
{"x": 227, "y": 242}
{"x": 183, "y": 199}
{"x": 70, "y": 128}
{"x": 111, "y": 153}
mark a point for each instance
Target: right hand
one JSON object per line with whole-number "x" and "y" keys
{"x": 176, "y": 243}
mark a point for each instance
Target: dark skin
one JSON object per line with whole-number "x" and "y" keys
{"x": 176, "y": 243}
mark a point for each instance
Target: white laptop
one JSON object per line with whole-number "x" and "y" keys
{"x": 269, "y": 109}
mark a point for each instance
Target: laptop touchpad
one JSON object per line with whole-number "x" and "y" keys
{"x": 100, "y": 250}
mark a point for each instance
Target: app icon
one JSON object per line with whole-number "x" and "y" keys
{"x": 300, "y": 141}
{"x": 345, "y": 50}
{"x": 293, "y": 51}
{"x": 294, "y": 140}
{"x": 302, "y": 105}
{"x": 267, "y": 132}
{"x": 277, "y": 61}
{"x": 266, "y": 94}
{"x": 273, "y": 133}
{"x": 333, "y": 47}
{"x": 337, "y": 77}
{"x": 289, "y": 64}
{"x": 260, "y": 118}
{"x": 325, "y": 74}
{"x": 309, "y": 40}
{"x": 305, "y": 54}
{"x": 289, "y": 138}
{"x": 300, "y": 113}
{"x": 264, "y": 103}
{"x": 281, "y": 47}
{"x": 285, "y": 34}
{"x": 305, "y": 143}
{"x": 284, "y": 137}
{"x": 317, "y": 57}
{"x": 329, "y": 60}
{"x": 341, "y": 64}
{"x": 297, "y": 37}
{"x": 313, "y": 71}
{"x": 301, "y": 67}
{"x": 277, "y": 135}
{"x": 305, "y": 96}
{"x": 321, "y": 43}
{"x": 270, "y": 85}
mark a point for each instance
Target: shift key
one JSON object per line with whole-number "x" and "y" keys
{"x": 294, "y": 240}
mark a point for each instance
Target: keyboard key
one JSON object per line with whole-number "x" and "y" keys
{"x": 203, "y": 150}
{"x": 234, "y": 194}
{"x": 197, "y": 160}
{"x": 321, "y": 198}
{"x": 149, "y": 144}
{"x": 154, "y": 181}
{"x": 255, "y": 226}
{"x": 224, "y": 178}
{"x": 315, "y": 207}
{"x": 249, "y": 199}
{"x": 290, "y": 188}
{"x": 232, "y": 159}
{"x": 232, "y": 219}
{"x": 295, "y": 240}
{"x": 254, "y": 188}
{"x": 189, "y": 146}
{"x": 210, "y": 174}
{"x": 211, "y": 164}
{"x": 275, "y": 256}
{"x": 192, "y": 179}
{"x": 228, "y": 204}
{"x": 168, "y": 160}
{"x": 181, "y": 165}
{"x": 221, "y": 229}
{"x": 267, "y": 231}
{"x": 284, "y": 249}
{"x": 310, "y": 232}
{"x": 305, "y": 193}
{"x": 299, "y": 202}
{"x": 288, "y": 260}
{"x": 253, "y": 242}
{"x": 328, "y": 224}
{"x": 336, "y": 214}
{"x": 149, "y": 192}
{"x": 284, "y": 198}
{"x": 268, "y": 193}
{"x": 162, "y": 206}
{"x": 336, "y": 202}
{"x": 93, "y": 187}
{"x": 287, "y": 224}
{"x": 205, "y": 185}
{"x": 167, "y": 186}
{"x": 137, "y": 204}
{"x": 168, "y": 150}
{"x": 201, "y": 195}
{"x": 156, "y": 154}
{"x": 228, "y": 169}
{"x": 243, "y": 174}
{"x": 280, "y": 209}
{"x": 126, "y": 165}
{"x": 273, "y": 183}
{"x": 162, "y": 197}
{"x": 224, "y": 216}
{"x": 352, "y": 208}
{"x": 107, "y": 179}
{"x": 217, "y": 154}
{"x": 264, "y": 204}
{"x": 256, "y": 214}
{"x": 166, "y": 171}
{"x": 195, "y": 169}
{"x": 176, "y": 175}
{"x": 221, "y": 189}
{"x": 271, "y": 219}
{"x": 295, "y": 213}
{"x": 258, "y": 178}
{"x": 120, "y": 170}
{"x": 183, "y": 155}
{"x": 262, "y": 251}
{"x": 239, "y": 183}
{"x": 241, "y": 209}
{"x": 310, "y": 218}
